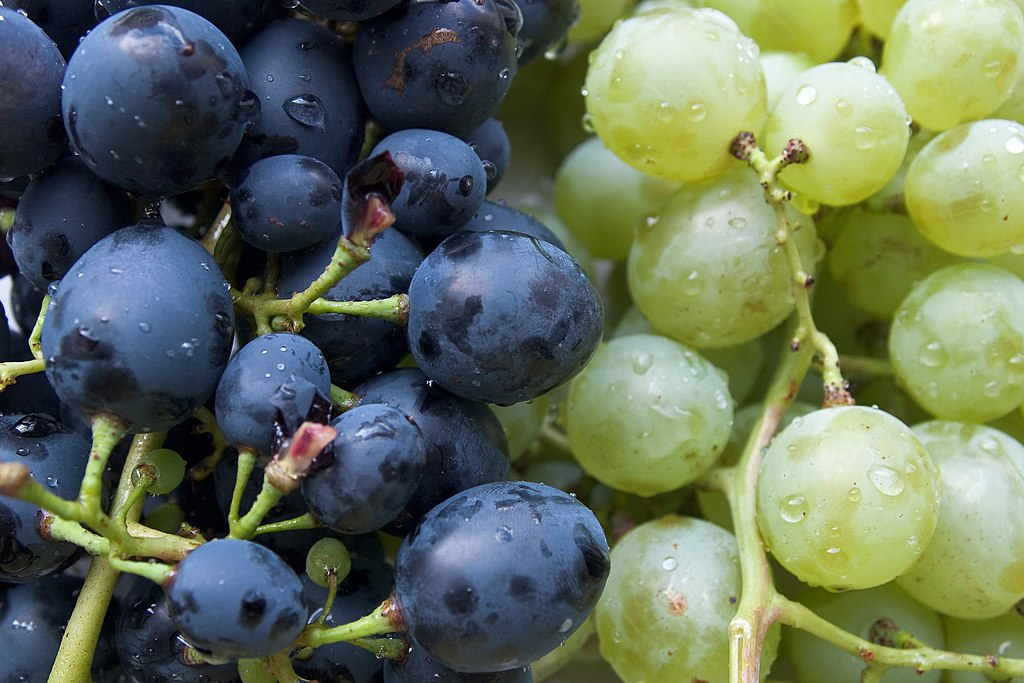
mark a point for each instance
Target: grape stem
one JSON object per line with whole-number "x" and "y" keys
{"x": 381, "y": 621}
{"x": 745, "y": 148}
{"x": 208, "y": 425}
{"x": 342, "y": 400}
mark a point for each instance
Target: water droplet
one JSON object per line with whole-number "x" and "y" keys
{"x": 669, "y": 564}
{"x": 565, "y": 626}
{"x": 270, "y": 79}
{"x": 694, "y": 284}
{"x": 588, "y": 126}
{"x": 697, "y": 112}
{"x": 1014, "y": 144}
{"x": 642, "y": 362}
{"x": 504, "y": 73}
{"x": 844, "y": 107}
{"x": 22, "y": 451}
{"x": 992, "y": 389}
{"x": 988, "y": 160}
{"x": 280, "y": 366}
{"x": 738, "y": 222}
{"x": 793, "y": 509}
{"x": 52, "y": 482}
{"x": 888, "y": 480}
{"x": 993, "y": 68}
{"x": 853, "y": 495}
{"x": 306, "y": 109}
{"x": 934, "y": 354}
{"x": 833, "y": 550}
{"x": 806, "y": 94}
{"x": 862, "y": 62}
{"x": 144, "y": 327}
{"x": 864, "y": 137}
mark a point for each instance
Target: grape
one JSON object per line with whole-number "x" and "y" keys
{"x": 1001, "y": 636}
{"x": 665, "y": 612}
{"x": 602, "y": 198}
{"x": 854, "y": 125}
{"x": 878, "y": 257}
{"x": 974, "y": 48}
{"x": 973, "y": 568}
{"x": 857, "y": 612}
{"x": 491, "y": 143}
{"x": 417, "y": 666}
{"x": 963, "y": 190}
{"x": 596, "y": 17}
{"x": 668, "y": 121}
{"x": 780, "y": 70}
{"x": 877, "y": 15}
{"x": 523, "y": 422}
{"x": 707, "y": 269}
{"x": 648, "y": 415}
{"x": 847, "y": 497}
{"x": 957, "y": 342}
{"x": 347, "y": 10}
{"x": 501, "y": 216}
{"x": 545, "y": 24}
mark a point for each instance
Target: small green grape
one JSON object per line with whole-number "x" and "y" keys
{"x": 170, "y": 470}
{"x": 327, "y": 556}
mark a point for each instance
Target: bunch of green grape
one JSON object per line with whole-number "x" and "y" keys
{"x": 885, "y": 248}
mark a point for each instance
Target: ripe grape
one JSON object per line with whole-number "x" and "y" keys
{"x": 847, "y": 497}
{"x": 1001, "y": 636}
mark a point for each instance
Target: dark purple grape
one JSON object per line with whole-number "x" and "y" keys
{"x": 155, "y": 100}
{"x": 444, "y": 181}
{"x": 236, "y": 599}
{"x": 417, "y": 666}
{"x": 465, "y": 443}
{"x": 501, "y": 316}
{"x": 367, "y": 585}
{"x": 56, "y": 458}
{"x": 65, "y": 21}
{"x": 348, "y": 10}
{"x": 236, "y": 18}
{"x": 545, "y": 23}
{"x": 5, "y": 334}
{"x": 500, "y": 216}
{"x": 444, "y": 65}
{"x": 356, "y": 347}
{"x": 310, "y": 104}
{"x": 26, "y": 302}
{"x": 490, "y": 142}
{"x": 61, "y": 214}
{"x": 31, "y": 70}
{"x": 271, "y": 372}
{"x": 149, "y": 646}
{"x": 32, "y": 621}
{"x": 377, "y": 464}
{"x": 140, "y": 328}
{"x": 287, "y": 202}
{"x": 514, "y": 567}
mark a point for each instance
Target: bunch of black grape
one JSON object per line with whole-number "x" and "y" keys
{"x": 256, "y": 273}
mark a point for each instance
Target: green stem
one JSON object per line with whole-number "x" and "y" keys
{"x": 73, "y": 663}
{"x": 246, "y": 464}
{"x": 381, "y": 621}
{"x": 60, "y": 529}
{"x": 16, "y": 482}
{"x": 106, "y": 433}
{"x": 268, "y": 497}
{"x": 12, "y": 370}
{"x": 208, "y": 425}
{"x": 865, "y": 365}
{"x": 157, "y": 572}
{"x": 394, "y": 309}
{"x": 220, "y": 223}
{"x": 135, "y": 496}
{"x": 34, "y": 345}
{"x": 342, "y": 400}
{"x": 300, "y": 523}
{"x": 384, "y": 648}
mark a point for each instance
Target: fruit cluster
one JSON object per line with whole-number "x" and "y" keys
{"x": 287, "y": 373}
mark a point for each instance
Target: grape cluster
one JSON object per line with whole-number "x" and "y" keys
{"x": 512, "y": 340}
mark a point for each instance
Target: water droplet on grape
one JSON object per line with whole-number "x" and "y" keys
{"x": 806, "y": 94}
{"x": 933, "y": 354}
{"x": 588, "y": 121}
{"x": 793, "y": 509}
{"x": 669, "y": 564}
{"x": 864, "y": 137}
{"x": 862, "y": 62}
{"x": 887, "y": 480}
{"x": 305, "y": 109}
{"x": 988, "y": 160}
{"x": 144, "y": 327}
{"x": 642, "y": 362}
{"x": 697, "y": 112}
{"x": 1014, "y": 144}
{"x": 565, "y": 626}
{"x": 853, "y": 495}
{"x": 52, "y": 482}
{"x": 844, "y": 107}
{"x": 993, "y": 68}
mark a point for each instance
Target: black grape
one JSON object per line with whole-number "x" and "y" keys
{"x": 56, "y": 458}
{"x": 236, "y": 599}
{"x": 155, "y": 100}
{"x": 348, "y": 10}
{"x": 140, "y": 328}
{"x": 500, "y": 216}
{"x": 31, "y": 70}
{"x": 65, "y": 21}
{"x": 62, "y": 213}
{"x": 236, "y": 18}
{"x": 26, "y": 302}
{"x": 515, "y": 568}
{"x": 545, "y": 23}
{"x": 492, "y": 145}
{"x": 377, "y": 464}
{"x": 501, "y": 316}
{"x": 356, "y": 347}
{"x": 275, "y": 372}
{"x": 444, "y": 181}
{"x": 287, "y": 202}
{"x": 417, "y": 666}
{"x": 443, "y": 65}
{"x": 149, "y": 646}
{"x": 310, "y": 104}
{"x": 466, "y": 444}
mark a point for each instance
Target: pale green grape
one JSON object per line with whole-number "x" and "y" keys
{"x": 957, "y": 342}
{"x": 1009, "y": 261}
{"x": 522, "y": 422}
{"x": 648, "y": 5}
{"x": 1002, "y": 636}
{"x": 954, "y": 60}
{"x": 596, "y": 17}
{"x": 878, "y": 258}
{"x": 974, "y": 566}
{"x": 877, "y": 15}
{"x": 669, "y": 89}
{"x": 708, "y": 270}
{"x": 965, "y": 189}
{"x": 856, "y": 612}
{"x": 1013, "y": 107}
{"x": 647, "y": 414}
{"x": 780, "y": 70}
{"x": 820, "y": 28}
{"x": 552, "y": 662}
{"x": 854, "y": 125}
{"x": 665, "y": 610}
{"x": 850, "y": 327}
{"x": 602, "y": 198}
{"x": 847, "y": 497}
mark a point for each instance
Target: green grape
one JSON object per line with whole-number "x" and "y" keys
{"x": 602, "y": 198}
{"x": 669, "y": 89}
{"x": 1013, "y": 107}
{"x": 325, "y": 557}
{"x": 552, "y": 662}
{"x": 957, "y": 342}
{"x": 890, "y": 197}
{"x": 877, "y": 15}
{"x": 856, "y": 612}
{"x": 878, "y": 257}
{"x": 965, "y": 189}
{"x": 708, "y": 270}
{"x": 954, "y": 60}
{"x": 668, "y": 601}
{"x": 1009, "y": 261}
{"x": 1001, "y": 636}
{"x": 820, "y": 28}
{"x": 854, "y": 125}
{"x": 974, "y": 566}
{"x": 169, "y": 467}
{"x": 850, "y": 327}
{"x": 522, "y": 422}
{"x": 647, "y": 414}
{"x": 847, "y": 497}
{"x": 780, "y": 70}
{"x": 563, "y": 108}
{"x": 596, "y": 17}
